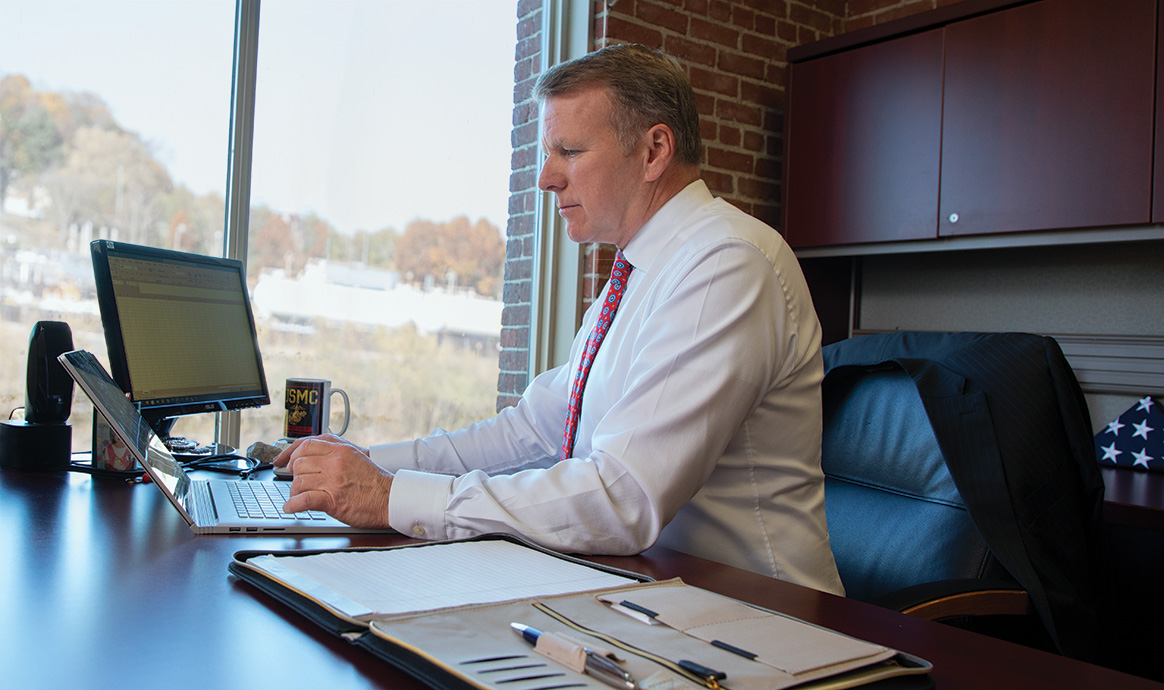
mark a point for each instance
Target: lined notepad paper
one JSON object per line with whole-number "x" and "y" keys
{"x": 364, "y": 584}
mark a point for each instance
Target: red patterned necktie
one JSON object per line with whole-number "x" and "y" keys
{"x": 617, "y": 285}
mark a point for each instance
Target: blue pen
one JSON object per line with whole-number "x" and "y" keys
{"x": 597, "y": 665}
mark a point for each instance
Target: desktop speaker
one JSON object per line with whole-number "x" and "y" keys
{"x": 42, "y": 441}
{"x": 49, "y": 393}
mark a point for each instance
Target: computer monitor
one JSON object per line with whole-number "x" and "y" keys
{"x": 179, "y": 331}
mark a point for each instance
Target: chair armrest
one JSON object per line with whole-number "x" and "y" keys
{"x": 954, "y": 598}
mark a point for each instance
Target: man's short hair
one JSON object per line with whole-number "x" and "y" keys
{"x": 647, "y": 87}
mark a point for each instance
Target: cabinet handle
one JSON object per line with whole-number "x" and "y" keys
{"x": 953, "y": 217}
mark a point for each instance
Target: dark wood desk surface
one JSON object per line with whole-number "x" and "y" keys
{"x": 1133, "y": 498}
{"x": 102, "y": 585}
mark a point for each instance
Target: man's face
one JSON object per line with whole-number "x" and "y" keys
{"x": 594, "y": 182}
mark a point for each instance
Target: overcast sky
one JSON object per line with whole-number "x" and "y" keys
{"x": 369, "y": 112}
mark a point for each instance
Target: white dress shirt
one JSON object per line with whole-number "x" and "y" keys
{"x": 700, "y": 426}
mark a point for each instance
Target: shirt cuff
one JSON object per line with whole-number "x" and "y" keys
{"x": 417, "y": 503}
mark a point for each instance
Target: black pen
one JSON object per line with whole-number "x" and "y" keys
{"x": 597, "y": 665}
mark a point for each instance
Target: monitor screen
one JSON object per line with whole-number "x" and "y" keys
{"x": 179, "y": 330}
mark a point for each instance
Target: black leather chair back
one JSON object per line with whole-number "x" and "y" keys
{"x": 1012, "y": 423}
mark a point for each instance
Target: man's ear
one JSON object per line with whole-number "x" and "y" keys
{"x": 660, "y": 151}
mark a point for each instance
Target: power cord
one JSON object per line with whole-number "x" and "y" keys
{"x": 229, "y": 463}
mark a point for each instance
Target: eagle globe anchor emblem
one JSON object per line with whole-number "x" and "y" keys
{"x": 296, "y": 414}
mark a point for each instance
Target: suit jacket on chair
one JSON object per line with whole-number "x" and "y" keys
{"x": 1014, "y": 428}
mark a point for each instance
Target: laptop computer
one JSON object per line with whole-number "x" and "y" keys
{"x": 209, "y": 506}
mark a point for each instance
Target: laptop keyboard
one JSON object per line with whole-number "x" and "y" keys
{"x": 264, "y": 500}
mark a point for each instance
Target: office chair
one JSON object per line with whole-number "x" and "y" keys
{"x": 961, "y": 482}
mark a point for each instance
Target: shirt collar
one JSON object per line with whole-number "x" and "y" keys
{"x": 648, "y": 242}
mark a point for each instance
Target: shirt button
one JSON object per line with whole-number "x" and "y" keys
{"x": 418, "y": 530}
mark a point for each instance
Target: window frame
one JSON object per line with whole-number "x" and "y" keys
{"x": 556, "y": 291}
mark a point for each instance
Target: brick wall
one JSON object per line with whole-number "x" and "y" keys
{"x": 734, "y": 51}
{"x": 519, "y": 248}
{"x": 863, "y": 13}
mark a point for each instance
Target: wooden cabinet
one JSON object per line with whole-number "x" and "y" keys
{"x": 864, "y": 144}
{"x": 1048, "y": 117}
{"x": 1044, "y": 119}
{"x": 1158, "y": 177}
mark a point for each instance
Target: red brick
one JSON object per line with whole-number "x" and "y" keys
{"x": 521, "y": 225}
{"x": 708, "y": 129}
{"x": 786, "y": 32}
{"x": 734, "y": 111}
{"x": 762, "y": 46}
{"x": 729, "y": 136}
{"x": 528, "y": 133}
{"x": 811, "y": 17}
{"x": 838, "y": 8}
{"x": 768, "y": 168}
{"x": 515, "y": 315}
{"x": 520, "y": 269}
{"x": 527, "y": 7}
{"x": 774, "y": 120}
{"x": 778, "y": 71}
{"x": 660, "y": 16}
{"x": 753, "y": 141}
{"x": 743, "y": 18}
{"x": 719, "y": 10}
{"x": 524, "y": 157}
{"x": 719, "y": 183}
{"x": 514, "y": 337}
{"x": 512, "y": 360}
{"x": 689, "y": 51}
{"x": 528, "y": 26}
{"x": 704, "y": 103}
{"x": 621, "y": 29}
{"x": 523, "y": 179}
{"x": 765, "y": 24}
{"x": 715, "y": 82}
{"x": 729, "y": 160}
{"x": 742, "y": 65}
{"x": 753, "y": 188}
{"x": 716, "y": 33}
{"x": 528, "y": 47}
{"x": 760, "y": 94}
{"x": 697, "y": 7}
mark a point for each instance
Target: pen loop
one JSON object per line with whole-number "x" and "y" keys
{"x": 711, "y": 680}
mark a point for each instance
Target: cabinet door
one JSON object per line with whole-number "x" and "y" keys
{"x": 862, "y": 144}
{"x": 1048, "y": 117}
{"x": 1158, "y": 183}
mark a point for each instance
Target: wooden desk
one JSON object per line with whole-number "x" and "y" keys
{"x": 1132, "y": 569}
{"x": 1133, "y": 498}
{"x": 102, "y": 585}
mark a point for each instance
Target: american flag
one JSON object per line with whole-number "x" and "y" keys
{"x": 1134, "y": 439}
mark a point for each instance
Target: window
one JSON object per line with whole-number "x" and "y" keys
{"x": 379, "y": 189}
{"x": 379, "y": 197}
{"x": 112, "y": 125}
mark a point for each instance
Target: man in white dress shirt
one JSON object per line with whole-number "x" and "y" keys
{"x": 700, "y": 422}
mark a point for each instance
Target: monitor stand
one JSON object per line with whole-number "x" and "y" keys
{"x": 183, "y": 448}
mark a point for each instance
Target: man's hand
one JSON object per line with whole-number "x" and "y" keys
{"x": 339, "y": 478}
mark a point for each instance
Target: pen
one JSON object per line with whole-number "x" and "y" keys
{"x": 597, "y": 664}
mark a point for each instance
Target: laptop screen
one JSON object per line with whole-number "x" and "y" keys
{"x": 127, "y": 423}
